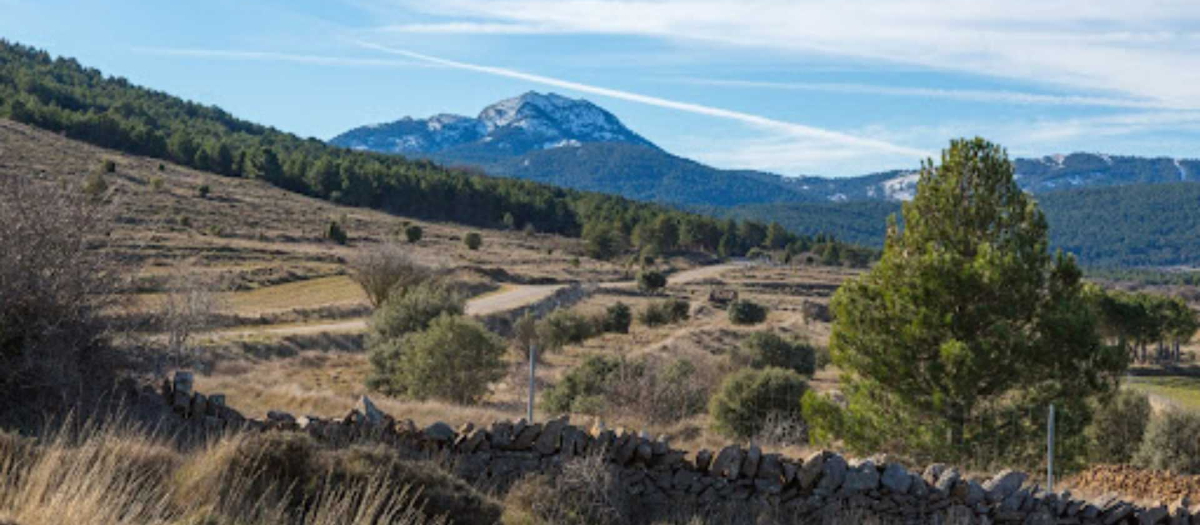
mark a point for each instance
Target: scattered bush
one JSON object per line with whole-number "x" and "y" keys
{"x": 108, "y": 166}
{"x": 510, "y": 222}
{"x": 411, "y": 310}
{"x": 617, "y": 319}
{"x": 156, "y": 183}
{"x": 575, "y": 262}
{"x": 743, "y": 312}
{"x": 203, "y": 191}
{"x": 413, "y": 233}
{"x": 766, "y": 349}
{"x": 335, "y": 233}
{"x": 664, "y": 312}
{"x": 473, "y": 240}
{"x": 94, "y": 186}
{"x": 1172, "y": 443}
{"x": 747, "y": 399}
{"x": 529, "y": 229}
{"x": 650, "y": 281}
{"x": 1118, "y": 426}
{"x": 385, "y": 270}
{"x": 184, "y": 221}
{"x": 588, "y": 380}
{"x": 162, "y": 167}
{"x": 453, "y": 360}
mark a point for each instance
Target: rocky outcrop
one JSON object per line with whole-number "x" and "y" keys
{"x": 654, "y": 474}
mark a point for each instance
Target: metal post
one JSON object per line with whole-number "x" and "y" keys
{"x": 532, "y": 378}
{"x": 1050, "y": 450}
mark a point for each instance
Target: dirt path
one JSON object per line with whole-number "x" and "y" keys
{"x": 516, "y": 297}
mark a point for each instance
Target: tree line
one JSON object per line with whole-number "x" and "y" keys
{"x": 63, "y": 96}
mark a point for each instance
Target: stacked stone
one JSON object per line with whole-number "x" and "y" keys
{"x": 209, "y": 411}
{"x": 654, "y": 474}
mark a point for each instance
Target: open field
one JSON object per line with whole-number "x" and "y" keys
{"x": 1182, "y": 392}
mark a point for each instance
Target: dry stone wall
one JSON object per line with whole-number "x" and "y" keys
{"x": 654, "y": 474}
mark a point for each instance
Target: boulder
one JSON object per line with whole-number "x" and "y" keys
{"x": 751, "y": 462}
{"x": 1003, "y": 485}
{"x": 896, "y": 478}
{"x": 183, "y": 383}
{"x": 728, "y": 462}
{"x": 810, "y": 471}
{"x": 551, "y": 439}
{"x": 862, "y": 477}
{"x": 371, "y": 414}
{"x": 833, "y": 473}
{"x": 946, "y": 480}
{"x": 1153, "y": 516}
{"x": 439, "y": 432}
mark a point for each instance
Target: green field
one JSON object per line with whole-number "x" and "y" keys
{"x": 1180, "y": 391}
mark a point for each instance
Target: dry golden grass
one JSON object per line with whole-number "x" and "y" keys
{"x": 322, "y": 291}
{"x": 115, "y": 474}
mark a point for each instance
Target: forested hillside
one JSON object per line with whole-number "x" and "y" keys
{"x": 1135, "y": 225}
{"x": 60, "y": 95}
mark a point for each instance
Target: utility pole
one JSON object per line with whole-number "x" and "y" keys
{"x": 532, "y": 378}
{"x": 1049, "y": 450}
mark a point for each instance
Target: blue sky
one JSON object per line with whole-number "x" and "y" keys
{"x": 822, "y": 87}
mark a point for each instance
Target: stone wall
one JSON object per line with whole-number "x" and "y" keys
{"x": 655, "y": 475}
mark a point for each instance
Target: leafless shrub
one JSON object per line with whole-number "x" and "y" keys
{"x": 55, "y": 282}
{"x": 586, "y": 491}
{"x": 384, "y": 269}
{"x": 190, "y": 304}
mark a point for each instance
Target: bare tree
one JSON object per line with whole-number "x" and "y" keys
{"x": 56, "y": 281}
{"x": 189, "y": 305}
{"x": 385, "y": 269}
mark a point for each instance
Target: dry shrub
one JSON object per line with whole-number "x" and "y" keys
{"x": 55, "y": 280}
{"x": 385, "y": 269}
{"x": 585, "y": 492}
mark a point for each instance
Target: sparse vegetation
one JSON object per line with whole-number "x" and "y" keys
{"x": 746, "y": 312}
{"x": 413, "y": 233}
{"x": 108, "y": 166}
{"x": 666, "y": 311}
{"x": 765, "y": 349}
{"x": 94, "y": 186}
{"x": 335, "y": 233}
{"x": 203, "y": 191}
{"x": 384, "y": 270}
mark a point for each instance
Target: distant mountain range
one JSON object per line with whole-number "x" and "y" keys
{"x": 577, "y": 144}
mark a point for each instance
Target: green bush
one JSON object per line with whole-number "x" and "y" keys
{"x": 335, "y": 233}
{"x": 203, "y": 191}
{"x": 412, "y": 311}
{"x": 766, "y": 349}
{"x": 664, "y": 312}
{"x": 650, "y": 281}
{"x": 743, "y": 312}
{"x": 453, "y": 360}
{"x": 413, "y": 233}
{"x": 583, "y": 385}
{"x": 1118, "y": 426}
{"x": 1172, "y": 443}
{"x": 156, "y": 183}
{"x": 563, "y": 327}
{"x": 108, "y": 166}
{"x": 473, "y": 240}
{"x": 617, "y": 319}
{"x": 749, "y": 398}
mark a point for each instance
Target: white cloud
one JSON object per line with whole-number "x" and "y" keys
{"x": 1148, "y": 49}
{"x": 969, "y": 95}
{"x": 264, "y": 56}
{"x": 796, "y": 131}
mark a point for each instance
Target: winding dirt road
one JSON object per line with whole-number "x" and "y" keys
{"x": 515, "y": 297}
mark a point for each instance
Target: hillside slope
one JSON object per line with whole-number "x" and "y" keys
{"x": 1134, "y": 225}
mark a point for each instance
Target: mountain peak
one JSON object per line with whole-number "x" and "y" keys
{"x": 513, "y": 126}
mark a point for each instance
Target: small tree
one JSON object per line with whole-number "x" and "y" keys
{"x": 94, "y": 186}
{"x": 650, "y": 281}
{"x": 203, "y": 191}
{"x": 617, "y": 318}
{"x": 455, "y": 360}
{"x": 767, "y": 349}
{"x": 473, "y": 240}
{"x": 509, "y": 221}
{"x": 562, "y": 328}
{"x": 156, "y": 183}
{"x": 385, "y": 270}
{"x": 588, "y": 380}
{"x": 749, "y": 398}
{"x": 413, "y": 233}
{"x": 663, "y": 312}
{"x": 411, "y": 311}
{"x": 745, "y": 312}
{"x": 108, "y": 166}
